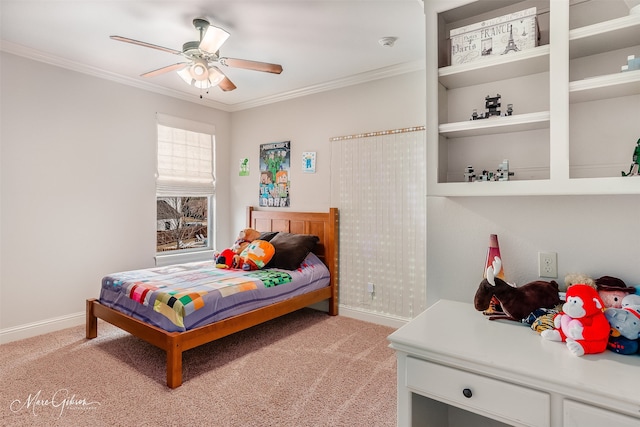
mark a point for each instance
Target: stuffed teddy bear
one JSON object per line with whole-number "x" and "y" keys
{"x": 256, "y": 255}
{"x": 582, "y": 323}
{"x": 245, "y": 237}
{"x": 612, "y": 290}
{"x": 625, "y": 326}
{"x": 577, "y": 278}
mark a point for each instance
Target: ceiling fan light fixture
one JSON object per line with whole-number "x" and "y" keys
{"x": 215, "y": 76}
{"x": 198, "y": 75}
{"x": 199, "y": 71}
{"x": 213, "y": 38}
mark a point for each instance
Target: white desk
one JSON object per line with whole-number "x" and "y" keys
{"x": 457, "y": 368}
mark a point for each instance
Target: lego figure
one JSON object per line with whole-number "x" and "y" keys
{"x": 492, "y": 103}
{"x": 635, "y": 163}
{"x": 469, "y": 175}
{"x": 503, "y": 171}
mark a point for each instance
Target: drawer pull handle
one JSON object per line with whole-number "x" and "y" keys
{"x": 467, "y": 393}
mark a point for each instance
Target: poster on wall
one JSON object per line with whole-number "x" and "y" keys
{"x": 309, "y": 162}
{"x": 274, "y": 174}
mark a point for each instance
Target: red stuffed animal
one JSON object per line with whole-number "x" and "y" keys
{"x": 582, "y": 323}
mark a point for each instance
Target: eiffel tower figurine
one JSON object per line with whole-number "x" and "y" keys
{"x": 511, "y": 45}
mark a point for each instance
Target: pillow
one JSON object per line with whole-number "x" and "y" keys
{"x": 291, "y": 250}
{"x": 267, "y": 235}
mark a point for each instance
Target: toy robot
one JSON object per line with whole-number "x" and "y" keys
{"x": 492, "y": 105}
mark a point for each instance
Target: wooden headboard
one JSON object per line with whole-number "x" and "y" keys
{"x": 322, "y": 224}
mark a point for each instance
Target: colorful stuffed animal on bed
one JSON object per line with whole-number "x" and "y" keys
{"x": 245, "y": 237}
{"x": 230, "y": 257}
{"x": 582, "y": 323}
{"x": 226, "y": 259}
{"x": 256, "y": 255}
{"x": 625, "y": 326}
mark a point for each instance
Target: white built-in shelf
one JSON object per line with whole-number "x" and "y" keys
{"x": 603, "y": 87}
{"x": 572, "y": 104}
{"x": 517, "y": 64}
{"x": 515, "y": 187}
{"x": 605, "y": 36}
{"x": 496, "y": 125}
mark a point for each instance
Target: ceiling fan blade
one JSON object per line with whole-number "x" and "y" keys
{"x": 145, "y": 44}
{"x": 226, "y": 85}
{"x": 166, "y": 69}
{"x": 251, "y": 65}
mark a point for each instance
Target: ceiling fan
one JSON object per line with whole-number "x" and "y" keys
{"x": 200, "y": 70}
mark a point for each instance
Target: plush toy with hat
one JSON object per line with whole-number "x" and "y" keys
{"x": 581, "y": 323}
{"x": 625, "y": 326}
{"x": 612, "y": 290}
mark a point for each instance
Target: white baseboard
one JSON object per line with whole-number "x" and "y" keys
{"x": 367, "y": 316}
{"x": 42, "y": 327}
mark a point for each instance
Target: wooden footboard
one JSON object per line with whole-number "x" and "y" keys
{"x": 324, "y": 225}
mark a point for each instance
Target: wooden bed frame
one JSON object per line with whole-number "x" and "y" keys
{"x": 323, "y": 225}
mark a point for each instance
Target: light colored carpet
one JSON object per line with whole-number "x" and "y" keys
{"x": 304, "y": 369}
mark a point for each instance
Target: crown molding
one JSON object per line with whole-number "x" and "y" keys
{"x": 46, "y": 58}
{"x": 368, "y": 76}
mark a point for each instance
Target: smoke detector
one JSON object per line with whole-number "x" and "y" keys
{"x": 387, "y": 41}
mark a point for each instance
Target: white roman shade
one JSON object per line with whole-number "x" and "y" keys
{"x": 185, "y": 158}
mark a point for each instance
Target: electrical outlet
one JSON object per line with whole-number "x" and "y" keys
{"x": 370, "y": 288}
{"x": 548, "y": 264}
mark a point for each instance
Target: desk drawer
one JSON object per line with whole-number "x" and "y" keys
{"x": 488, "y": 397}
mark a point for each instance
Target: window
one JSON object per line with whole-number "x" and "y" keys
{"x": 185, "y": 186}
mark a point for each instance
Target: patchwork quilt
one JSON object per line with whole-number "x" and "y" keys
{"x": 184, "y": 296}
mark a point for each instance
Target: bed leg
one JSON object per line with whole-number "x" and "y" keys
{"x": 333, "y": 307}
{"x": 174, "y": 364}
{"x": 92, "y": 320}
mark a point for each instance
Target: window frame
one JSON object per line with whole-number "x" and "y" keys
{"x": 188, "y": 254}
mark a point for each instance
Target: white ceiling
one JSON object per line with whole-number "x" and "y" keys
{"x": 320, "y": 44}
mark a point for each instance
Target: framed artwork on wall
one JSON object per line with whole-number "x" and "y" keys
{"x": 309, "y": 162}
{"x": 244, "y": 167}
{"x": 274, "y": 174}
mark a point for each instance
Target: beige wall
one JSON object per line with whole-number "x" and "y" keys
{"x": 309, "y": 122}
{"x": 78, "y": 185}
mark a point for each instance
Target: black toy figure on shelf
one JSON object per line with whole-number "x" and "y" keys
{"x": 492, "y": 106}
{"x": 469, "y": 174}
{"x": 635, "y": 162}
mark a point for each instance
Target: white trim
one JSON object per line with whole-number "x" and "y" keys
{"x": 41, "y": 327}
{"x": 377, "y": 318}
{"x": 163, "y": 259}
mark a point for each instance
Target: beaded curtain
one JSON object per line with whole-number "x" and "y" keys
{"x": 379, "y": 185}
